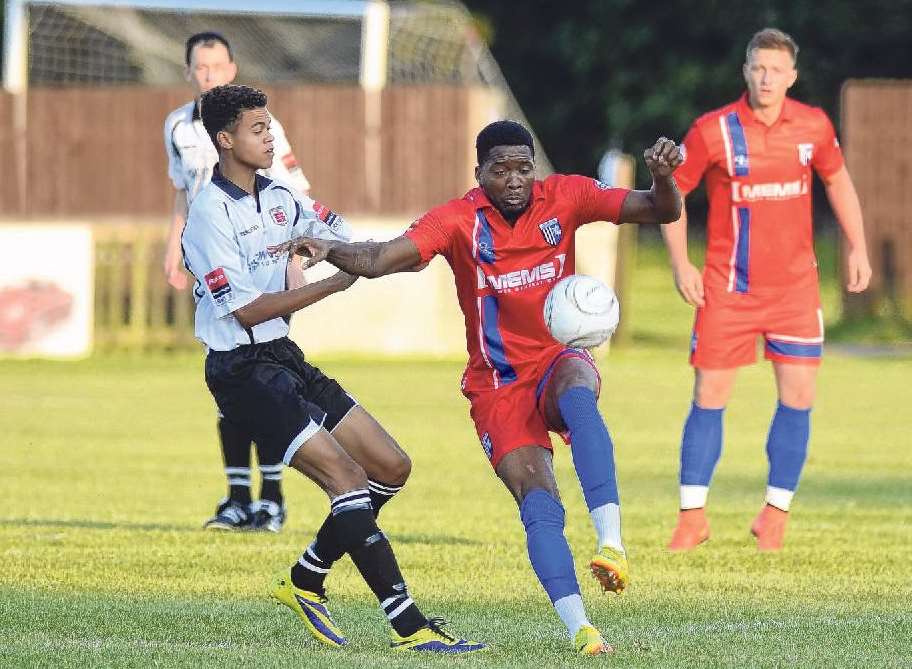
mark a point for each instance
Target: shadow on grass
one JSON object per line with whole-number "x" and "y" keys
{"x": 86, "y": 524}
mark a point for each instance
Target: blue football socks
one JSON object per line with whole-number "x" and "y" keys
{"x": 786, "y": 448}
{"x": 701, "y": 448}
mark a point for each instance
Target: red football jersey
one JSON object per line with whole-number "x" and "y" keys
{"x": 503, "y": 273}
{"x": 758, "y": 180}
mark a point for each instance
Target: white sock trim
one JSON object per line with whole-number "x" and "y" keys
{"x": 779, "y": 497}
{"x": 399, "y": 609}
{"x": 694, "y": 496}
{"x": 572, "y": 613}
{"x": 607, "y": 522}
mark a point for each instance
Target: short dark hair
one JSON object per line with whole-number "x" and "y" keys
{"x": 772, "y": 38}
{"x": 502, "y": 133}
{"x": 206, "y": 39}
{"x": 221, "y": 108}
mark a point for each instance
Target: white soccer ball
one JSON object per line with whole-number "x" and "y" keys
{"x": 581, "y": 311}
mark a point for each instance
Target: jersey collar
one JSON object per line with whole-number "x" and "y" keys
{"x": 236, "y": 192}
{"x": 480, "y": 199}
{"x": 742, "y": 106}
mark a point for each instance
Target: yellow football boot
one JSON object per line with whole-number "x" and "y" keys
{"x": 432, "y": 639}
{"x": 588, "y": 641}
{"x": 310, "y": 608}
{"x": 610, "y": 568}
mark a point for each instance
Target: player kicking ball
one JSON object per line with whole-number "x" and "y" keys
{"x": 508, "y": 242}
{"x": 260, "y": 380}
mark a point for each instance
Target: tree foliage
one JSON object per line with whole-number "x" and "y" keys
{"x": 598, "y": 74}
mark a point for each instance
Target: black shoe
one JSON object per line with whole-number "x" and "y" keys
{"x": 229, "y": 515}
{"x": 267, "y": 516}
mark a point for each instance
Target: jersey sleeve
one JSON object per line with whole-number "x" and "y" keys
{"x": 594, "y": 199}
{"x": 827, "y": 158}
{"x": 430, "y": 234}
{"x": 175, "y": 166}
{"x": 285, "y": 166}
{"x": 313, "y": 219}
{"x": 696, "y": 160}
{"x": 213, "y": 256}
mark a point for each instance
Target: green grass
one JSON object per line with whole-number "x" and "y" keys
{"x": 109, "y": 466}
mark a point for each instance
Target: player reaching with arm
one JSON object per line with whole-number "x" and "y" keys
{"x": 191, "y": 158}
{"x": 760, "y": 277}
{"x": 260, "y": 380}
{"x": 508, "y": 242}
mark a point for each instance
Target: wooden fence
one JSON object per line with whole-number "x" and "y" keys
{"x": 99, "y": 151}
{"x": 876, "y": 124}
{"x": 135, "y": 308}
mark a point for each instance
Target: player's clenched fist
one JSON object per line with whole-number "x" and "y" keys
{"x": 663, "y": 158}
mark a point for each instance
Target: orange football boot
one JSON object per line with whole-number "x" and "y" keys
{"x": 769, "y": 528}
{"x": 692, "y": 530}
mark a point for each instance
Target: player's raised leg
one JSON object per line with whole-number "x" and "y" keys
{"x": 786, "y": 449}
{"x": 701, "y": 449}
{"x": 571, "y": 406}
{"x": 529, "y": 476}
{"x": 387, "y": 467}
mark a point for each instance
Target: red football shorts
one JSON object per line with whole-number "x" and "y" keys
{"x": 726, "y": 328}
{"x": 513, "y": 415}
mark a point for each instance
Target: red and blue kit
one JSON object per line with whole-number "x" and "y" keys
{"x": 760, "y": 276}
{"x": 503, "y": 274}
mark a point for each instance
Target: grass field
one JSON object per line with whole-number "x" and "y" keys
{"x": 109, "y": 466}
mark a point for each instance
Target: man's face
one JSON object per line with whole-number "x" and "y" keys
{"x": 210, "y": 66}
{"x": 250, "y": 141}
{"x": 769, "y": 74}
{"x": 506, "y": 177}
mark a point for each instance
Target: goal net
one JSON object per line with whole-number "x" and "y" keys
{"x": 141, "y": 42}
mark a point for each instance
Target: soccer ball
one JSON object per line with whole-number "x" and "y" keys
{"x": 581, "y": 311}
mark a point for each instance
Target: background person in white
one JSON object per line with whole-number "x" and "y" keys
{"x": 191, "y": 158}
{"x": 260, "y": 380}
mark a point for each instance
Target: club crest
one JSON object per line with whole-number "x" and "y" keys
{"x": 279, "y": 217}
{"x": 805, "y": 154}
{"x": 551, "y": 231}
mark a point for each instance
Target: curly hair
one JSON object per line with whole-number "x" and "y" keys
{"x": 501, "y": 133}
{"x": 221, "y": 108}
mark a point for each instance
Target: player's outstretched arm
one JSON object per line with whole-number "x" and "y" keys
{"x": 662, "y": 203}
{"x": 844, "y": 199}
{"x": 368, "y": 259}
{"x": 276, "y": 305}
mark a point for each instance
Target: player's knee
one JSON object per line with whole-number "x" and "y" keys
{"x": 399, "y": 469}
{"x": 798, "y": 398}
{"x": 541, "y": 507}
{"x": 347, "y": 475}
{"x": 712, "y": 393}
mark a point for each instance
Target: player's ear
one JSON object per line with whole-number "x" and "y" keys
{"x": 232, "y": 71}
{"x": 225, "y": 141}
{"x": 794, "y": 77}
{"x": 188, "y": 74}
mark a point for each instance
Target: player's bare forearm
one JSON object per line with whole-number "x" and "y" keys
{"x": 276, "y": 305}
{"x": 374, "y": 259}
{"x": 661, "y": 204}
{"x": 844, "y": 199}
{"x": 675, "y": 236}
{"x": 668, "y": 203}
